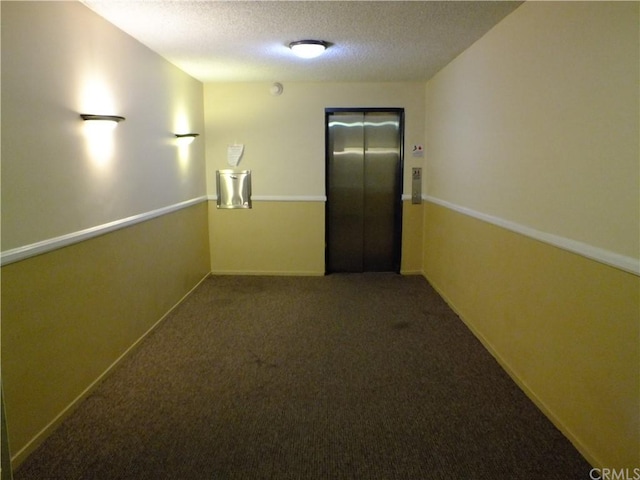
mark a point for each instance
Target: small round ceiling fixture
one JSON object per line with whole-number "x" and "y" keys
{"x": 276, "y": 89}
{"x": 308, "y": 48}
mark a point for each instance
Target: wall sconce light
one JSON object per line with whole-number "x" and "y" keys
{"x": 185, "y": 138}
{"x": 98, "y": 133}
{"x": 308, "y": 48}
{"x": 108, "y": 121}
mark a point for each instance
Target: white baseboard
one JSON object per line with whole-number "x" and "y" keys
{"x": 269, "y": 273}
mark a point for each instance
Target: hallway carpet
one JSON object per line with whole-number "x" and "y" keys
{"x": 366, "y": 376}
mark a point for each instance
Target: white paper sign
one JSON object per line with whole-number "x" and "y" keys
{"x": 234, "y": 154}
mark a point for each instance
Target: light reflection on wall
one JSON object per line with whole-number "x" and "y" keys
{"x": 99, "y": 141}
{"x": 97, "y": 98}
{"x": 183, "y": 157}
{"x": 181, "y": 125}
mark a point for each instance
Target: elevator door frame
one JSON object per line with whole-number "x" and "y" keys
{"x": 397, "y": 241}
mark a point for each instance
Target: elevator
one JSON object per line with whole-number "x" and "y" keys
{"x": 364, "y": 158}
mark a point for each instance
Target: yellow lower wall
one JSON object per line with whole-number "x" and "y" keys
{"x": 288, "y": 238}
{"x": 565, "y": 327}
{"x": 412, "y": 228}
{"x": 68, "y": 315}
{"x": 272, "y": 238}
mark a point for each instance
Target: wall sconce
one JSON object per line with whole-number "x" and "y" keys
{"x": 98, "y": 133}
{"x": 185, "y": 138}
{"x": 108, "y": 121}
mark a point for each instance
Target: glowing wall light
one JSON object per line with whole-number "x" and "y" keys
{"x": 99, "y": 135}
{"x": 106, "y": 122}
{"x": 183, "y": 139}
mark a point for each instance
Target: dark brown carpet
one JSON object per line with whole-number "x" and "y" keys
{"x": 346, "y": 376}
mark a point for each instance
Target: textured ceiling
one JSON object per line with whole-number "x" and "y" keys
{"x": 242, "y": 41}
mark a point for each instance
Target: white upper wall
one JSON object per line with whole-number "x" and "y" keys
{"x": 60, "y": 59}
{"x": 537, "y": 123}
{"x": 284, "y": 135}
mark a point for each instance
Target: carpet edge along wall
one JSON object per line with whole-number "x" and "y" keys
{"x": 565, "y": 327}
{"x": 68, "y": 315}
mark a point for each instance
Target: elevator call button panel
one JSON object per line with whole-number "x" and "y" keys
{"x": 416, "y": 185}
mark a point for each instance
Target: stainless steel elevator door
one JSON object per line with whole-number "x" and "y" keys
{"x": 364, "y": 162}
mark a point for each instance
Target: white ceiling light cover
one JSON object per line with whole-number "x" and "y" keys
{"x": 308, "y": 48}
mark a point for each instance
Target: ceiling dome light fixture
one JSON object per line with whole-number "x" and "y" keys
{"x": 308, "y": 48}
